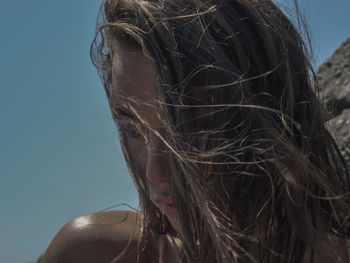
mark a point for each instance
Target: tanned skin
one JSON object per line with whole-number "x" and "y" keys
{"x": 99, "y": 238}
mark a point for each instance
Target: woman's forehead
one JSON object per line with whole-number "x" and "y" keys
{"x": 132, "y": 78}
{"x": 133, "y": 86}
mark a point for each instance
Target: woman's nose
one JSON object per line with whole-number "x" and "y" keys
{"x": 156, "y": 171}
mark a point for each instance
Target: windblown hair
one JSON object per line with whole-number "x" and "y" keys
{"x": 255, "y": 175}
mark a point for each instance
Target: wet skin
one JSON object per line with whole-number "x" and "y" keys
{"x": 102, "y": 237}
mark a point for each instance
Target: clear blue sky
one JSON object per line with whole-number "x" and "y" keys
{"x": 59, "y": 153}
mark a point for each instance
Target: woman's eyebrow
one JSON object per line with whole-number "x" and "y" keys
{"x": 123, "y": 112}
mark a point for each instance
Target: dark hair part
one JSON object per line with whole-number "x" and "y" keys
{"x": 256, "y": 176}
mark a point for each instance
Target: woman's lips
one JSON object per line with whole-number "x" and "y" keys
{"x": 168, "y": 209}
{"x": 166, "y": 205}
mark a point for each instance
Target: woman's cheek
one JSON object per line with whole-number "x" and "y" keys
{"x": 138, "y": 151}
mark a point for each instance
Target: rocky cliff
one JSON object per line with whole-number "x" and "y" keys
{"x": 334, "y": 79}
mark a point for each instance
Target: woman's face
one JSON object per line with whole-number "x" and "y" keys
{"x": 133, "y": 85}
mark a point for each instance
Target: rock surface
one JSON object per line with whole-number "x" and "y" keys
{"x": 334, "y": 79}
{"x": 340, "y": 129}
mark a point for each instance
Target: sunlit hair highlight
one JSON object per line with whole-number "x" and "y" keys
{"x": 255, "y": 175}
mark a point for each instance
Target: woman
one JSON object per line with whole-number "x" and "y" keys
{"x": 223, "y": 135}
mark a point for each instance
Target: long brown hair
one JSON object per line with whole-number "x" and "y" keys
{"x": 255, "y": 175}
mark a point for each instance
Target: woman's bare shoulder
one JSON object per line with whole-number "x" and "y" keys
{"x": 96, "y": 238}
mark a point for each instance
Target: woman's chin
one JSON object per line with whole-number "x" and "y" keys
{"x": 173, "y": 223}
